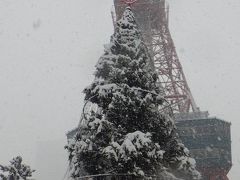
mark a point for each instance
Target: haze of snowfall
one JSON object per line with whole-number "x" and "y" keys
{"x": 128, "y": 134}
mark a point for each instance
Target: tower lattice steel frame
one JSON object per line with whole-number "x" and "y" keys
{"x": 152, "y": 17}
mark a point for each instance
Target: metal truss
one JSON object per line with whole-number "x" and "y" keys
{"x": 152, "y": 19}
{"x": 170, "y": 71}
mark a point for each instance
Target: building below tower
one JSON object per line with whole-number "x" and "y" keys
{"x": 209, "y": 142}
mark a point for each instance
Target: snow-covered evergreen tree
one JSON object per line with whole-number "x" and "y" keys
{"x": 16, "y": 170}
{"x": 127, "y": 134}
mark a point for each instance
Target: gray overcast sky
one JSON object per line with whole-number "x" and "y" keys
{"x": 48, "y": 50}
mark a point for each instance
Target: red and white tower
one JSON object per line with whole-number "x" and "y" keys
{"x": 152, "y": 18}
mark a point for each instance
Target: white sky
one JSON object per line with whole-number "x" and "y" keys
{"x": 48, "y": 50}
